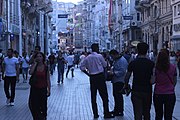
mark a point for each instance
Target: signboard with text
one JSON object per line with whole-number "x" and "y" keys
{"x": 62, "y": 15}
{"x": 128, "y": 17}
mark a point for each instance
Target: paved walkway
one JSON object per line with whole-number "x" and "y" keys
{"x": 68, "y": 101}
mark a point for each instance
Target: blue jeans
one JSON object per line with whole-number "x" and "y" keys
{"x": 60, "y": 74}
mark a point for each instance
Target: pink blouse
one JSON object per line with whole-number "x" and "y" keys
{"x": 164, "y": 82}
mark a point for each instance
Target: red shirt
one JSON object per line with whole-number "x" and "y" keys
{"x": 41, "y": 79}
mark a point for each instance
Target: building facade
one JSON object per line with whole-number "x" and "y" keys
{"x": 175, "y": 39}
{"x": 156, "y": 23}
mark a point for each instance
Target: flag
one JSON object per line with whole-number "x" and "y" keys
{"x": 110, "y": 15}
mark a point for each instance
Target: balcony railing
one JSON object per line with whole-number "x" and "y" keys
{"x": 142, "y": 4}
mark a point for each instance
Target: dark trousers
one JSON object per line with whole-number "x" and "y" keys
{"x": 72, "y": 70}
{"x": 60, "y": 74}
{"x": 178, "y": 64}
{"x": 141, "y": 105}
{"x": 164, "y": 104}
{"x": 118, "y": 97}
{"x": 97, "y": 82}
{"x": 10, "y": 81}
{"x": 38, "y": 103}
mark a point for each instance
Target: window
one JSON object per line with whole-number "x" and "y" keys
{"x": 174, "y": 10}
{"x": 138, "y": 16}
{"x": 178, "y": 9}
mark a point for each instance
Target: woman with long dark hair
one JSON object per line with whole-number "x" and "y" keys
{"x": 164, "y": 92}
{"x": 40, "y": 87}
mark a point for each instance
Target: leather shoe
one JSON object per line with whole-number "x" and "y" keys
{"x": 109, "y": 115}
{"x": 118, "y": 114}
{"x": 96, "y": 116}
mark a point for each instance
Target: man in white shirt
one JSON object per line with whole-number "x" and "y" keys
{"x": 70, "y": 62}
{"x": 11, "y": 70}
{"x": 93, "y": 65}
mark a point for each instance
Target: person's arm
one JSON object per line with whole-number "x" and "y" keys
{"x": 83, "y": 67}
{"x": 3, "y": 70}
{"x": 17, "y": 70}
{"x": 48, "y": 83}
{"x": 31, "y": 59}
{"x": 175, "y": 77}
{"x": 127, "y": 77}
{"x": 104, "y": 63}
{"x": 32, "y": 68}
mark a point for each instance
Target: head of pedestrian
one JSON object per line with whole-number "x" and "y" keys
{"x": 24, "y": 54}
{"x": 142, "y": 48}
{"x": 40, "y": 57}
{"x": 37, "y": 49}
{"x": 10, "y": 53}
{"x": 114, "y": 54}
{"x": 162, "y": 63}
{"x": 95, "y": 47}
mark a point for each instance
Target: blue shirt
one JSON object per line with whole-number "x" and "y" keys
{"x": 119, "y": 69}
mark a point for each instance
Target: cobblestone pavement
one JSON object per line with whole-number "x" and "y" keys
{"x": 69, "y": 101}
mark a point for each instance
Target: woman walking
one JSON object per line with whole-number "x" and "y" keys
{"x": 40, "y": 87}
{"x": 164, "y": 92}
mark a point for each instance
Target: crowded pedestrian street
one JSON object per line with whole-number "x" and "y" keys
{"x": 69, "y": 101}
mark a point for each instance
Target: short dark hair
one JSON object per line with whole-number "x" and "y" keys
{"x": 142, "y": 48}
{"x": 113, "y": 52}
{"x": 95, "y": 47}
{"x": 38, "y": 47}
{"x": 10, "y": 49}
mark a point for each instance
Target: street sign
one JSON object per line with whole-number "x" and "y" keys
{"x": 127, "y": 17}
{"x": 62, "y": 15}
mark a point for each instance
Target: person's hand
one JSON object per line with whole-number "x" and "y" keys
{"x": 48, "y": 93}
{"x": 3, "y": 77}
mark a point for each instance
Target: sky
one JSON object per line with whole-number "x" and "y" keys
{"x": 73, "y": 1}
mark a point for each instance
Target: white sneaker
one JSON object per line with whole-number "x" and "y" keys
{"x": 12, "y": 104}
{"x": 8, "y": 101}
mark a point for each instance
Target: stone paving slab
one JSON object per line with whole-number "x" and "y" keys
{"x": 68, "y": 101}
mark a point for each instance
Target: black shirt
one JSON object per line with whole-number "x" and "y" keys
{"x": 142, "y": 69}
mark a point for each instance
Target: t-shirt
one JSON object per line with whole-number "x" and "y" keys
{"x": 25, "y": 62}
{"x": 10, "y": 66}
{"x": 142, "y": 69}
{"x": 70, "y": 60}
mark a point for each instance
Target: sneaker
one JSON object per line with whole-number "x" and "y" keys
{"x": 12, "y": 104}
{"x": 8, "y": 101}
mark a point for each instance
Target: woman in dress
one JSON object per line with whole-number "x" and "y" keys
{"x": 40, "y": 87}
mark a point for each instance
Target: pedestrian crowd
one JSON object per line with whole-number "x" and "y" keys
{"x": 147, "y": 70}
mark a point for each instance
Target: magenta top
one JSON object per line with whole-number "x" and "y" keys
{"x": 164, "y": 81}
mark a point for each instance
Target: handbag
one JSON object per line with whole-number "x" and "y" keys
{"x": 32, "y": 79}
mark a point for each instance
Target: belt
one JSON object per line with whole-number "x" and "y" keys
{"x": 97, "y": 74}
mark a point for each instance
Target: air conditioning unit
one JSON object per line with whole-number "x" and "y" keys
{"x": 133, "y": 23}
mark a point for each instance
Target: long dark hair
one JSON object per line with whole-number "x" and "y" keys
{"x": 163, "y": 63}
{"x": 44, "y": 57}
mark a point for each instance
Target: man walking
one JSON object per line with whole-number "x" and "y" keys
{"x": 11, "y": 70}
{"x": 94, "y": 63}
{"x": 141, "y": 96}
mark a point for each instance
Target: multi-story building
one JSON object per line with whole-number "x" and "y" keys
{"x": 131, "y": 18}
{"x": 62, "y": 36}
{"x": 175, "y": 41}
{"x": 156, "y": 22}
{"x": 96, "y": 24}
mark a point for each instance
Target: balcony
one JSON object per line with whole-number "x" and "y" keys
{"x": 142, "y": 4}
{"x": 145, "y": 3}
{"x": 25, "y": 3}
{"x": 138, "y": 7}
